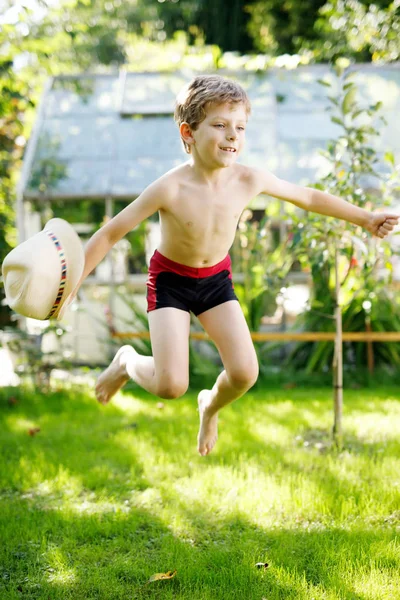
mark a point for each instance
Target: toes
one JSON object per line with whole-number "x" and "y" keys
{"x": 205, "y": 450}
{"x": 101, "y": 398}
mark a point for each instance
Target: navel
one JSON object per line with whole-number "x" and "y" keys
{"x": 204, "y": 262}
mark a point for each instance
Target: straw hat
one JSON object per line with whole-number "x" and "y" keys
{"x": 41, "y": 273}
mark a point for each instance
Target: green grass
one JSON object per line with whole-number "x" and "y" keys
{"x": 104, "y": 497}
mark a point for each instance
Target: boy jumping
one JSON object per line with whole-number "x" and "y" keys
{"x": 199, "y": 204}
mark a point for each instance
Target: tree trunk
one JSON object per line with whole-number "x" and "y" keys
{"x": 338, "y": 360}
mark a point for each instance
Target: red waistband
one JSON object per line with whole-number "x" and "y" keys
{"x": 160, "y": 262}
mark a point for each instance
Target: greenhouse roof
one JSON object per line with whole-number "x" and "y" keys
{"x": 111, "y": 135}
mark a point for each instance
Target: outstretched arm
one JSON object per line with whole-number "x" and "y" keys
{"x": 149, "y": 202}
{"x": 323, "y": 203}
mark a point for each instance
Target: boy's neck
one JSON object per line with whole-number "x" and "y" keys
{"x": 209, "y": 176}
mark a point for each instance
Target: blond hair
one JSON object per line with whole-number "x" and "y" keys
{"x": 193, "y": 100}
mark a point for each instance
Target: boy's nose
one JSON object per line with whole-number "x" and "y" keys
{"x": 231, "y": 135}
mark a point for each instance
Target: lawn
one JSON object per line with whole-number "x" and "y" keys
{"x": 102, "y": 498}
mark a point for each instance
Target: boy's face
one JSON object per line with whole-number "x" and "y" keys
{"x": 219, "y": 139}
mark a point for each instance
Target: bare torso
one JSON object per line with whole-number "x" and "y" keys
{"x": 199, "y": 224}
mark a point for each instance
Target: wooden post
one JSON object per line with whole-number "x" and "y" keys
{"x": 370, "y": 350}
{"x": 287, "y": 336}
{"x": 338, "y": 360}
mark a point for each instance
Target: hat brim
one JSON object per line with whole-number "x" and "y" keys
{"x": 75, "y": 258}
{"x": 41, "y": 273}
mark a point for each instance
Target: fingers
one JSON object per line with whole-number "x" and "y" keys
{"x": 384, "y": 224}
{"x": 390, "y": 223}
{"x": 383, "y": 231}
{"x": 387, "y": 226}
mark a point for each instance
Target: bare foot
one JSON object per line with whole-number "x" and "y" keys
{"x": 114, "y": 377}
{"x": 208, "y": 432}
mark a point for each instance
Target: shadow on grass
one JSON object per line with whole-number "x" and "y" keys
{"x": 112, "y": 556}
{"x": 110, "y": 539}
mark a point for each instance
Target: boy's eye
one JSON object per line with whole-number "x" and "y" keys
{"x": 241, "y": 128}
{"x": 220, "y": 125}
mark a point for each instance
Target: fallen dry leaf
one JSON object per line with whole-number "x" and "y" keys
{"x": 159, "y": 576}
{"x": 33, "y": 430}
{"x": 12, "y": 401}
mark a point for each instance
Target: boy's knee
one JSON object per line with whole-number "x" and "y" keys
{"x": 170, "y": 388}
{"x": 245, "y": 377}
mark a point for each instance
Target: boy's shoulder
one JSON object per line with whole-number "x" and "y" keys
{"x": 244, "y": 171}
{"x": 248, "y": 175}
{"x": 173, "y": 177}
{"x": 167, "y": 184}
{"x": 171, "y": 182}
{"x": 255, "y": 174}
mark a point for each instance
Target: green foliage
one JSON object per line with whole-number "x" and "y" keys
{"x": 282, "y": 27}
{"x": 137, "y": 322}
{"x": 35, "y": 362}
{"x": 264, "y": 268}
{"x": 103, "y": 31}
{"x": 84, "y": 210}
{"x": 48, "y": 170}
{"x": 235, "y": 35}
{"x": 362, "y": 31}
{"x": 14, "y": 100}
{"x": 365, "y": 264}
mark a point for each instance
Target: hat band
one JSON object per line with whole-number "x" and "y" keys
{"x": 63, "y": 281}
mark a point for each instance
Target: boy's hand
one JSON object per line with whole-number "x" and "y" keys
{"x": 381, "y": 224}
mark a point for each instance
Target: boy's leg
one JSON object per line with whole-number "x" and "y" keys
{"x": 227, "y": 327}
{"x": 166, "y": 373}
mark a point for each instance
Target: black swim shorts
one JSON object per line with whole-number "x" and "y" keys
{"x": 187, "y": 288}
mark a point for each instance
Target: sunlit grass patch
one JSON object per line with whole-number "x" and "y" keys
{"x": 103, "y": 497}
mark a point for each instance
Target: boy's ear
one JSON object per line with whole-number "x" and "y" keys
{"x": 186, "y": 134}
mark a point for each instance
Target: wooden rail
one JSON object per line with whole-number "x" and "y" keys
{"x": 287, "y": 336}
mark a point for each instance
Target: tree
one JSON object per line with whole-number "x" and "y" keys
{"x": 282, "y": 27}
{"x": 15, "y": 99}
{"x": 350, "y": 270}
{"x": 364, "y": 265}
{"x": 363, "y": 31}
{"x": 225, "y": 24}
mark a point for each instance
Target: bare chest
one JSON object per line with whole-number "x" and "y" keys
{"x": 207, "y": 214}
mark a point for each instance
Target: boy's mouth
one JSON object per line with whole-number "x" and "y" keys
{"x": 228, "y": 149}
